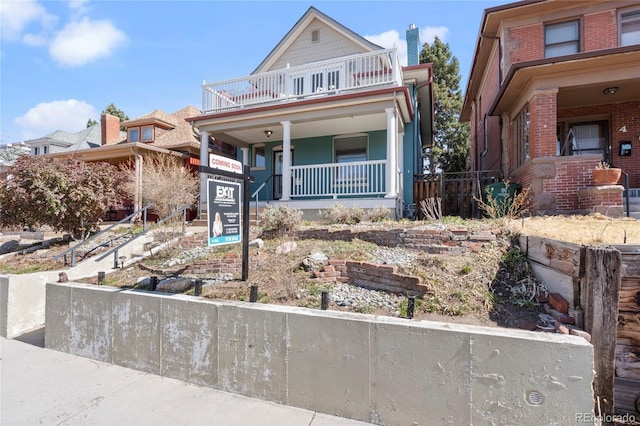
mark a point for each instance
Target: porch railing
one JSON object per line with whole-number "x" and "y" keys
{"x": 314, "y": 79}
{"x": 339, "y": 179}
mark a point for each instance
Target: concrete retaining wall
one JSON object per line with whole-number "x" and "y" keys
{"x": 378, "y": 369}
{"x": 22, "y": 297}
{"x": 22, "y": 302}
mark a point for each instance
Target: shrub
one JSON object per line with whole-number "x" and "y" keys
{"x": 339, "y": 213}
{"x": 282, "y": 219}
{"x": 507, "y": 207}
{"x": 431, "y": 209}
{"x": 378, "y": 214}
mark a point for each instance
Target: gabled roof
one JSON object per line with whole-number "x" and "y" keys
{"x": 87, "y": 138}
{"x": 182, "y": 134}
{"x": 311, "y": 14}
{"x": 156, "y": 117}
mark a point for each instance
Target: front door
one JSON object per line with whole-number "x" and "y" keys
{"x": 277, "y": 173}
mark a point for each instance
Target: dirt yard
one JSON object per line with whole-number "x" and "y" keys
{"x": 494, "y": 286}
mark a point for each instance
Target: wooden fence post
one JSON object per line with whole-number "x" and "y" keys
{"x": 599, "y": 299}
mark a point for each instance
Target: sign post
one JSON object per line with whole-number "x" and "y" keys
{"x": 228, "y": 205}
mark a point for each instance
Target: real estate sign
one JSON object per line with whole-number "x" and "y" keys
{"x": 224, "y": 207}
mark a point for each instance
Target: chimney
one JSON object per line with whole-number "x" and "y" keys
{"x": 413, "y": 45}
{"x": 110, "y": 126}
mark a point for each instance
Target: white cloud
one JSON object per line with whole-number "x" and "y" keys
{"x": 34, "y": 39}
{"x": 70, "y": 115}
{"x": 428, "y": 34}
{"x": 16, "y": 15}
{"x": 391, "y": 38}
{"x": 85, "y": 41}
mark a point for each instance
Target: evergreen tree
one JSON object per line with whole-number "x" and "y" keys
{"x": 112, "y": 110}
{"x": 115, "y": 111}
{"x": 451, "y": 138}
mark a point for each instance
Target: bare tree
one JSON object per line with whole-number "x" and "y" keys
{"x": 164, "y": 181}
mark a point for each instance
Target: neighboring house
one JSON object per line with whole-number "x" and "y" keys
{"x": 9, "y": 153}
{"x": 155, "y": 133}
{"x": 62, "y": 141}
{"x": 555, "y": 89}
{"x": 327, "y": 117}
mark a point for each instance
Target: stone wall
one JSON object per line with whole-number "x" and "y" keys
{"x": 371, "y": 276}
{"x": 428, "y": 239}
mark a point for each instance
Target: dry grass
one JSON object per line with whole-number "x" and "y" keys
{"x": 591, "y": 229}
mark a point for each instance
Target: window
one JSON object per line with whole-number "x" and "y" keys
{"x": 36, "y": 150}
{"x": 587, "y": 138}
{"x": 147, "y": 134}
{"x": 630, "y": 27}
{"x": 561, "y": 39}
{"x": 134, "y": 134}
{"x": 45, "y": 149}
{"x": 315, "y": 36}
{"x": 521, "y": 137}
{"x": 350, "y": 149}
{"x": 258, "y": 157}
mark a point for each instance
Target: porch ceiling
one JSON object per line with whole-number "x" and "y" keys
{"x": 309, "y": 128}
{"x": 579, "y": 82}
{"x": 340, "y": 114}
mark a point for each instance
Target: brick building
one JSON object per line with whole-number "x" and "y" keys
{"x": 554, "y": 90}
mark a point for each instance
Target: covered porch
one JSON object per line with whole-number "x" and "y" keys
{"x": 319, "y": 150}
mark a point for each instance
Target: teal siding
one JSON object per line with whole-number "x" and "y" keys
{"x": 411, "y": 151}
{"x": 378, "y": 145}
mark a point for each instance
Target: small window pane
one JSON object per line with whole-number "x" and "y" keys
{"x": 560, "y": 33}
{"x": 560, "y": 50}
{"x": 562, "y": 39}
{"x": 258, "y": 156}
{"x": 147, "y": 134}
{"x": 134, "y": 135}
{"x": 630, "y": 28}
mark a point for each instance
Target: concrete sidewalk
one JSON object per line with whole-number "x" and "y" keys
{"x": 41, "y": 386}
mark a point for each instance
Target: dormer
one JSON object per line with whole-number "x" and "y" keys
{"x": 149, "y": 127}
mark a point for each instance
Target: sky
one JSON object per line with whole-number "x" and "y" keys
{"x": 63, "y": 61}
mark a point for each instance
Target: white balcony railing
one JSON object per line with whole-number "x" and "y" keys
{"x": 339, "y": 179}
{"x": 315, "y": 79}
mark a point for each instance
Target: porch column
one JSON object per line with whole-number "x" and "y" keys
{"x": 286, "y": 160}
{"x": 204, "y": 161}
{"x": 543, "y": 110}
{"x": 392, "y": 153}
{"x": 245, "y": 156}
{"x": 137, "y": 197}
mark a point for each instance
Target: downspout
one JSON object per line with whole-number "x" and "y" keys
{"x": 486, "y": 140}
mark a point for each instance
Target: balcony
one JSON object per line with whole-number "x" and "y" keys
{"x": 325, "y": 78}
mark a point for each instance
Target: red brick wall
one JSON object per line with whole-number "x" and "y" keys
{"x": 525, "y": 43}
{"x": 570, "y": 176}
{"x": 542, "y": 109}
{"x": 110, "y": 129}
{"x": 594, "y": 199}
{"x": 600, "y": 31}
{"x": 372, "y": 276}
{"x": 626, "y": 115}
{"x": 621, "y": 115}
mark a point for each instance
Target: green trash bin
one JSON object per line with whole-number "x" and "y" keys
{"x": 502, "y": 195}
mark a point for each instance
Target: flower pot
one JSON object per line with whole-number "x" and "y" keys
{"x": 606, "y": 176}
